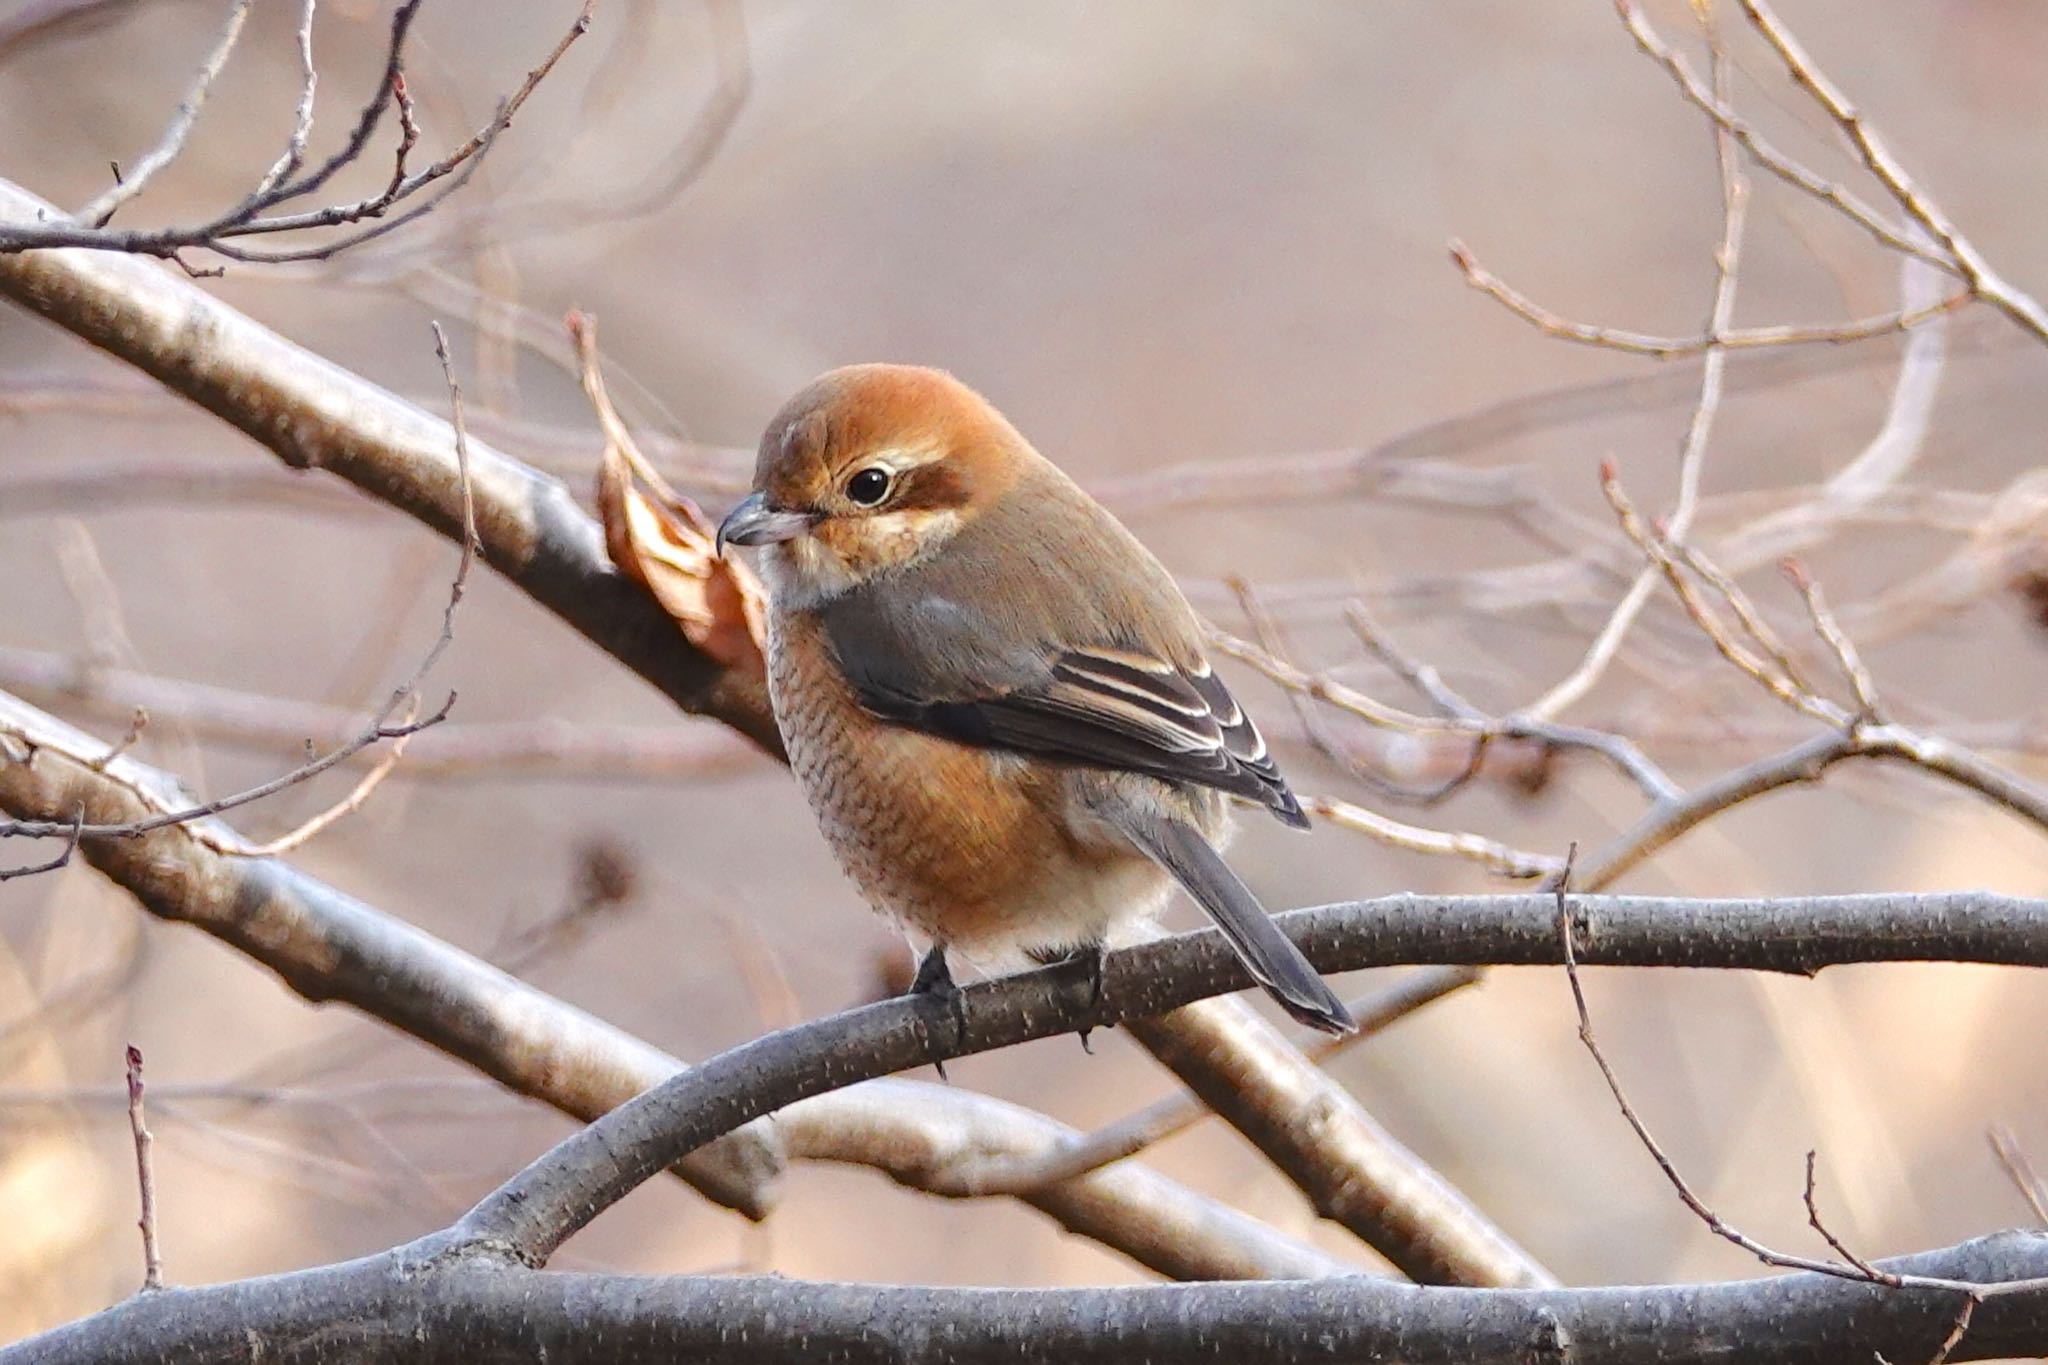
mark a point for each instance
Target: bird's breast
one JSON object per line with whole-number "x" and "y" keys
{"x": 968, "y": 846}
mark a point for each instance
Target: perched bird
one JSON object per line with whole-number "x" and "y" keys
{"x": 993, "y": 696}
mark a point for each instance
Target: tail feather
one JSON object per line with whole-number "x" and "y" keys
{"x": 1274, "y": 962}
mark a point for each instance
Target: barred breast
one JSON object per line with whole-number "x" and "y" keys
{"x": 969, "y": 848}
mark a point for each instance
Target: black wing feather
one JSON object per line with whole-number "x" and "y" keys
{"x": 1111, "y": 708}
{"x": 950, "y": 647}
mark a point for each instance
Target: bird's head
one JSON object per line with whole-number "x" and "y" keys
{"x": 869, "y": 469}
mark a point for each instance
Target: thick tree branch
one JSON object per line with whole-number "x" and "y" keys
{"x": 532, "y": 1214}
{"x": 1351, "y": 1168}
{"x": 423, "y": 1308}
{"x": 313, "y": 414}
{"x": 328, "y": 946}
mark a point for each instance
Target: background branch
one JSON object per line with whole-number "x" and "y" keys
{"x": 328, "y": 946}
{"x": 312, "y": 414}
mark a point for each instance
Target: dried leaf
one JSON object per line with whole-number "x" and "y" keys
{"x": 664, "y": 542}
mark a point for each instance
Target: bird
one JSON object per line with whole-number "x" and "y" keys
{"x": 994, "y": 697}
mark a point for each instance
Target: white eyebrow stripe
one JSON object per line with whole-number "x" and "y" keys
{"x": 897, "y": 459}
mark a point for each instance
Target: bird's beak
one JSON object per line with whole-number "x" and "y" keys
{"x": 755, "y": 522}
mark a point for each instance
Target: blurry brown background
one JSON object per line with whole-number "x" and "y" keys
{"x": 1153, "y": 233}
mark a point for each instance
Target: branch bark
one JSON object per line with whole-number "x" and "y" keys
{"x": 1352, "y": 1169}
{"x": 328, "y": 946}
{"x": 535, "y": 1212}
{"x": 314, "y": 414}
{"x": 311, "y": 413}
{"x": 408, "y": 1305}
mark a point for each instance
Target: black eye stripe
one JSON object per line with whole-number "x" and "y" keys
{"x": 869, "y": 486}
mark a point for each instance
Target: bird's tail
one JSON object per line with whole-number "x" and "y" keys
{"x": 1274, "y": 962}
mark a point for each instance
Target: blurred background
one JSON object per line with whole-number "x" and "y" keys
{"x": 1198, "y": 254}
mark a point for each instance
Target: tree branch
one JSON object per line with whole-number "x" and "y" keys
{"x": 328, "y": 946}
{"x": 313, "y": 414}
{"x": 537, "y": 1210}
{"x": 413, "y": 1306}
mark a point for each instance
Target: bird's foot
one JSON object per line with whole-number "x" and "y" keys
{"x": 1087, "y": 962}
{"x": 934, "y": 982}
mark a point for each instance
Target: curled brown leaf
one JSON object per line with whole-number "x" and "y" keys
{"x": 663, "y": 541}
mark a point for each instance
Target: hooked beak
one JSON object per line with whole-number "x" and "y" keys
{"x": 754, "y": 522}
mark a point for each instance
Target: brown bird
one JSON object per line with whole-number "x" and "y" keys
{"x": 993, "y": 696}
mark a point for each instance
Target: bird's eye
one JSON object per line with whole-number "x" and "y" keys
{"x": 869, "y": 486}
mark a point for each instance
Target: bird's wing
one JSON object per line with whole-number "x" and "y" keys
{"x": 922, "y": 657}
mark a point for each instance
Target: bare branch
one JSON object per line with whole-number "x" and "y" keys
{"x": 1850, "y": 1267}
{"x": 185, "y": 812}
{"x": 328, "y": 946}
{"x": 1488, "y": 853}
{"x": 294, "y": 154}
{"x": 63, "y": 856}
{"x": 429, "y": 1304}
{"x": 407, "y": 190}
{"x": 145, "y": 1175}
{"x": 1176, "y": 1113}
{"x": 1879, "y": 160}
{"x": 2020, "y": 1168}
{"x": 541, "y": 748}
{"x": 313, "y": 415}
{"x": 1693, "y": 451}
{"x": 137, "y": 178}
{"x": 1670, "y": 348}
{"x": 1698, "y": 94}
{"x": 1838, "y": 642}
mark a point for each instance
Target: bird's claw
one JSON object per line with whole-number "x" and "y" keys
{"x": 1087, "y": 960}
{"x": 934, "y": 982}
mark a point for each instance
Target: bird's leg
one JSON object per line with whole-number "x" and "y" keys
{"x": 1088, "y": 959}
{"x": 934, "y": 982}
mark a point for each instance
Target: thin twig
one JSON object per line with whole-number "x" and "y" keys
{"x": 318, "y": 823}
{"x": 252, "y": 216}
{"x": 1330, "y": 745}
{"x": 461, "y": 163}
{"x": 1626, "y": 757}
{"x": 379, "y": 730}
{"x": 63, "y": 857}
{"x": 137, "y": 722}
{"x": 294, "y": 154}
{"x": 1671, "y": 347}
{"x": 1658, "y": 546}
{"x": 145, "y": 1176}
{"x": 539, "y": 748}
{"x": 1693, "y": 451}
{"x": 1747, "y": 617}
{"x": 138, "y": 176}
{"x": 2013, "y": 1158}
{"x": 1861, "y": 683}
{"x": 1879, "y": 160}
{"x": 1488, "y": 853}
{"x": 381, "y": 726}
{"x": 1622, "y": 752}
{"x": 1849, "y": 1268}
{"x": 1696, "y": 92}
{"x": 1959, "y": 1330}
{"x": 1811, "y": 1198}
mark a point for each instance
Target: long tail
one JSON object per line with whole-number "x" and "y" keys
{"x": 1272, "y": 959}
